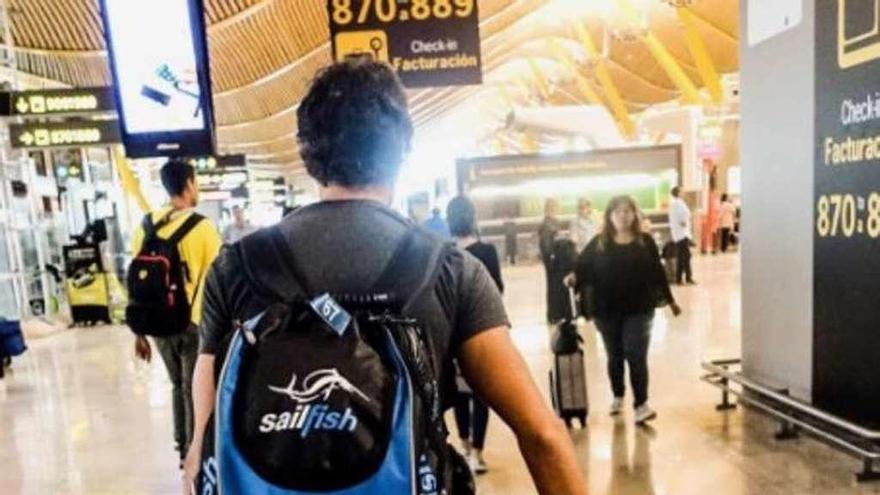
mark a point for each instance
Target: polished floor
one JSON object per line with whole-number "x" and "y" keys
{"x": 79, "y": 415}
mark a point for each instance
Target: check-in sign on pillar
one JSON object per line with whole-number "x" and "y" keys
{"x": 428, "y": 42}
{"x": 846, "y": 259}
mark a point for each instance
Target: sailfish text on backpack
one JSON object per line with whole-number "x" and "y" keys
{"x": 308, "y": 416}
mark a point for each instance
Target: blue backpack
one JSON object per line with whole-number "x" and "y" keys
{"x": 11, "y": 338}
{"x": 332, "y": 394}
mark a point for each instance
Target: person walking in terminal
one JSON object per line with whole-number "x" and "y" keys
{"x": 354, "y": 131}
{"x": 436, "y": 224}
{"x": 728, "y": 221}
{"x": 471, "y": 413}
{"x": 198, "y": 243}
{"x": 510, "y": 241}
{"x": 585, "y": 226}
{"x": 547, "y": 236}
{"x": 240, "y": 226}
{"x": 680, "y": 226}
{"x": 621, "y": 282}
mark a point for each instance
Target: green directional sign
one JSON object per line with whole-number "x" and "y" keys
{"x": 65, "y": 135}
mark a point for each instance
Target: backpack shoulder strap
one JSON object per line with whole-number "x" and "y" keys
{"x": 414, "y": 268}
{"x": 190, "y": 223}
{"x": 269, "y": 267}
{"x": 149, "y": 228}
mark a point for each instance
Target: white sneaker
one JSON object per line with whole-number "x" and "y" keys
{"x": 616, "y": 406}
{"x": 477, "y": 464}
{"x": 644, "y": 414}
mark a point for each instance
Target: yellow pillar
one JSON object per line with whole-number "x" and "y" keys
{"x": 700, "y": 54}
{"x": 529, "y": 143}
{"x": 615, "y": 101}
{"x": 499, "y": 147}
{"x": 583, "y": 85}
{"x": 688, "y": 89}
{"x": 543, "y": 84}
{"x": 129, "y": 181}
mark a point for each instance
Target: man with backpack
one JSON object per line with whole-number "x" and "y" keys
{"x": 173, "y": 249}
{"x": 327, "y": 341}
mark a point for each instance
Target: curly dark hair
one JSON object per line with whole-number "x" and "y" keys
{"x": 462, "y": 217}
{"x": 354, "y": 125}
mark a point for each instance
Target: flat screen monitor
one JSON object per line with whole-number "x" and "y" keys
{"x": 161, "y": 78}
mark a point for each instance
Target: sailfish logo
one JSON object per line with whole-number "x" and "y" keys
{"x": 319, "y": 384}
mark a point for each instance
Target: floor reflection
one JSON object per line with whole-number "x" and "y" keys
{"x": 77, "y": 416}
{"x": 631, "y": 470}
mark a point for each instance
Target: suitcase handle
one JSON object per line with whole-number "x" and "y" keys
{"x": 572, "y": 299}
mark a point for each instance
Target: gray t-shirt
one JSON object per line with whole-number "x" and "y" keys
{"x": 343, "y": 247}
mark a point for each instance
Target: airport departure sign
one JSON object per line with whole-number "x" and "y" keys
{"x": 428, "y": 42}
{"x": 66, "y": 134}
{"x": 61, "y": 101}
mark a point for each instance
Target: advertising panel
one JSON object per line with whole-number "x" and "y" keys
{"x": 161, "y": 77}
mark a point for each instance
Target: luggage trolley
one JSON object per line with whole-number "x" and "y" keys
{"x": 86, "y": 284}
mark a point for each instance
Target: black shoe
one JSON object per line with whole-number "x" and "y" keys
{"x": 691, "y": 282}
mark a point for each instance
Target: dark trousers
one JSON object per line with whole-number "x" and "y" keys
{"x": 725, "y": 239}
{"x": 626, "y": 340}
{"x": 472, "y": 419}
{"x": 683, "y": 252}
{"x": 179, "y": 354}
{"x": 510, "y": 250}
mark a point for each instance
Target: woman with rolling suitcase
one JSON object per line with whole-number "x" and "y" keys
{"x": 621, "y": 282}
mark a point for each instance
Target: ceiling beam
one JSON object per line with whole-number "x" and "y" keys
{"x": 701, "y": 56}
{"x": 615, "y": 101}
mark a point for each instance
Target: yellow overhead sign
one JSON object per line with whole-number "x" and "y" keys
{"x": 61, "y": 101}
{"x": 67, "y": 134}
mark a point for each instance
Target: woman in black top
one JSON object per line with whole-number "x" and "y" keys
{"x": 621, "y": 281}
{"x": 471, "y": 413}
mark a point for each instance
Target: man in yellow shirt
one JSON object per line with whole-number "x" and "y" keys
{"x": 197, "y": 249}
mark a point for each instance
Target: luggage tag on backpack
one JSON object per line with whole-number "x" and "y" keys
{"x": 332, "y": 313}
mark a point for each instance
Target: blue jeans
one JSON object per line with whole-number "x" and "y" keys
{"x": 626, "y": 339}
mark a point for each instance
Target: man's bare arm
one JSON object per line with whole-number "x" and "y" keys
{"x": 499, "y": 375}
{"x": 203, "y": 390}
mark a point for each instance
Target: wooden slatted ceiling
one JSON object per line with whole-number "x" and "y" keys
{"x": 264, "y": 52}
{"x": 259, "y": 45}
{"x": 68, "y": 25}
{"x": 220, "y": 10}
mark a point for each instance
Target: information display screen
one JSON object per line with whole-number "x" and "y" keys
{"x": 161, "y": 76}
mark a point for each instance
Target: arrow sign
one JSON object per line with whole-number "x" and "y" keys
{"x": 64, "y": 134}
{"x": 72, "y": 101}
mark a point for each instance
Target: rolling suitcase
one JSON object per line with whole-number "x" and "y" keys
{"x": 568, "y": 388}
{"x": 568, "y": 378}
